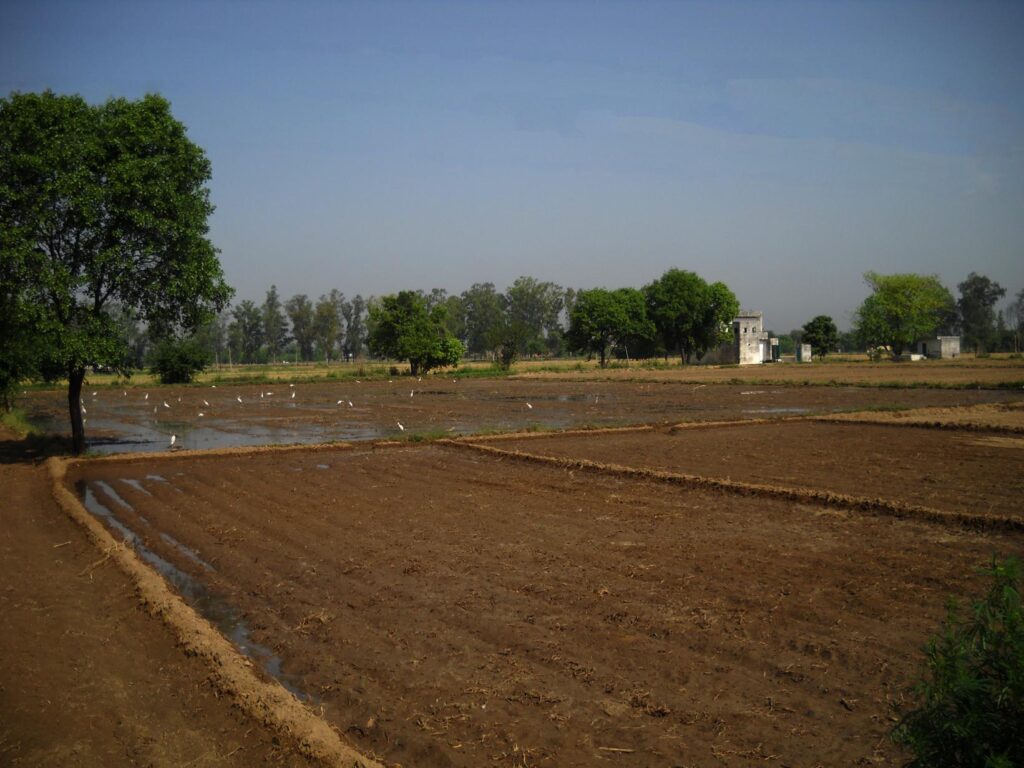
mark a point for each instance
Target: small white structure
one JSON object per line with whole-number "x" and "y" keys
{"x": 941, "y": 347}
{"x": 803, "y": 353}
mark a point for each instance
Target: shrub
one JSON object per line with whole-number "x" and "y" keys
{"x": 177, "y": 362}
{"x": 972, "y": 699}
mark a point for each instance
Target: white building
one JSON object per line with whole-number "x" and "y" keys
{"x": 750, "y": 342}
{"x": 940, "y": 347}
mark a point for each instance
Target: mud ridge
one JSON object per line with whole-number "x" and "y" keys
{"x": 1002, "y": 429}
{"x": 267, "y": 702}
{"x": 523, "y": 435}
{"x": 875, "y": 506}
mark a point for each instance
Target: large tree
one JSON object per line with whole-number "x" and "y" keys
{"x": 102, "y": 205}
{"x": 821, "y": 333}
{"x": 690, "y": 315}
{"x": 403, "y": 327}
{"x": 902, "y": 309}
{"x": 976, "y": 306}
{"x": 601, "y": 318}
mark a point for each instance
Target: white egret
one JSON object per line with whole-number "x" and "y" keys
{"x": 340, "y": 402}
{"x": 146, "y": 397}
{"x": 412, "y": 392}
{"x": 201, "y": 413}
{"x": 529, "y": 406}
{"x": 239, "y": 398}
{"x": 350, "y": 404}
{"x": 293, "y": 395}
{"x": 173, "y": 439}
{"x": 400, "y": 426}
{"x": 166, "y": 405}
{"x": 206, "y": 404}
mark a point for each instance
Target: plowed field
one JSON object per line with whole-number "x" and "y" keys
{"x": 445, "y": 607}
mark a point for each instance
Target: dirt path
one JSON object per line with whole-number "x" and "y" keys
{"x": 87, "y": 678}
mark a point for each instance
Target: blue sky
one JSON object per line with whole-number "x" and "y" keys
{"x": 784, "y": 148}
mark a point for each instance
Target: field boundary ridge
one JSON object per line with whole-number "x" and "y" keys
{"x": 268, "y": 703}
{"x": 877, "y": 506}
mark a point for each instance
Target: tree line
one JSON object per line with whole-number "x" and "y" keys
{"x": 677, "y": 314}
{"x": 903, "y": 309}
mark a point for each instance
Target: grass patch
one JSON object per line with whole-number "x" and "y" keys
{"x": 16, "y": 421}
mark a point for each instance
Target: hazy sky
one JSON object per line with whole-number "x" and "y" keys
{"x": 784, "y": 148}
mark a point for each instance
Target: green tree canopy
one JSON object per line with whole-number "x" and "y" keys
{"x": 690, "y": 316}
{"x": 601, "y": 318}
{"x": 901, "y": 309}
{"x": 101, "y": 205}
{"x": 402, "y": 327}
{"x": 823, "y": 336}
{"x": 976, "y": 305}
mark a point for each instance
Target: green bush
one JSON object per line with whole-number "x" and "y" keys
{"x": 177, "y": 362}
{"x": 972, "y": 699}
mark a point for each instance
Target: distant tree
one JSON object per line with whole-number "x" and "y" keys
{"x": 902, "y": 309}
{"x": 976, "y": 307}
{"x": 485, "y": 318}
{"x": 326, "y": 326}
{"x": 101, "y": 206}
{"x": 533, "y": 308}
{"x": 275, "y": 326}
{"x": 402, "y": 327}
{"x": 823, "y": 336}
{"x": 354, "y": 312}
{"x": 1015, "y": 320}
{"x": 245, "y": 333}
{"x": 300, "y": 312}
{"x": 212, "y": 336}
{"x": 601, "y": 318}
{"x": 455, "y": 317}
{"x": 690, "y": 316}
{"x": 848, "y": 342}
{"x": 177, "y": 361}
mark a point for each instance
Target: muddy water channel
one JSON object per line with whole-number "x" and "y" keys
{"x": 102, "y": 500}
{"x": 145, "y": 418}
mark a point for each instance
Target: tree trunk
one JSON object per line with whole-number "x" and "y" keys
{"x": 75, "y": 378}
{"x": 414, "y": 367}
{"x": 602, "y": 357}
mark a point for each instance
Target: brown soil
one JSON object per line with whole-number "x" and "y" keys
{"x": 88, "y": 678}
{"x": 958, "y": 372}
{"x": 960, "y": 471}
{"x": 451, "y": 608}
{"x": 1003, "y": 417}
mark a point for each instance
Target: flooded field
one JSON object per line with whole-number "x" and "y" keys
{"x": 144, "y": 419}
